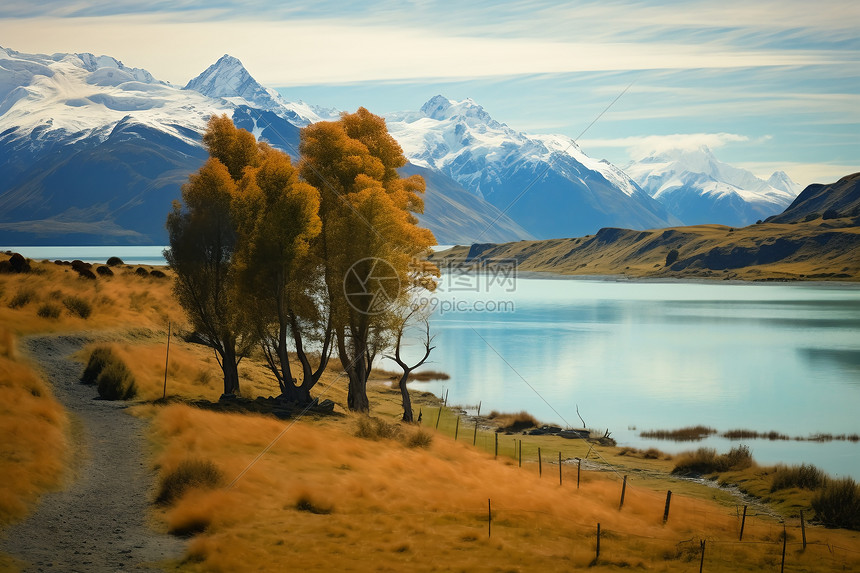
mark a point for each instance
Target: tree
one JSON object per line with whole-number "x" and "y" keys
{"x": 279, "y": 275}
{"x": 369, "y": 236}
{"x": 397, "y": 357}
{"x": 202, "y": 243}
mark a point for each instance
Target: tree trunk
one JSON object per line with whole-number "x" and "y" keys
{"x": 405, "y": 399}
{"x": 356, "y": 398}
{"x": 230, "y": 368}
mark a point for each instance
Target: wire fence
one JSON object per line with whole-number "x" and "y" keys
{"x": 745, "y": 536}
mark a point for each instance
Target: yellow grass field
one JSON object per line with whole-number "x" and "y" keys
{"x": 309, "y": 495}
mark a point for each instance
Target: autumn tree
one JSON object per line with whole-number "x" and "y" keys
{"x": 203, "y": 241}
{"x": 402, "y": 322}
{"x": 279, "y": 274}
{"x": 369, "y": 237}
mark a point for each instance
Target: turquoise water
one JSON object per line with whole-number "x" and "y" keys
{"x": 136, "y": 255}
{"x": 646, "y": 355}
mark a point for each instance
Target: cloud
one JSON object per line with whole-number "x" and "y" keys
{"x": 639, "y": 147}
{"x": 314, "y": 51}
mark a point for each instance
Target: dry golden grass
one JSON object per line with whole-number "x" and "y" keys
{"x": 34, "y": 428}
{"x": 322, "y": 499}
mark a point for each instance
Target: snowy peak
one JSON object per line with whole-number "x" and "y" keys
{"x": 441, "y": 108}
{"x": 228, "y": 78}
{"x": 780, "y": 180}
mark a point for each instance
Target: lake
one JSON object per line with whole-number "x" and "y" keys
{"x": 648, "y": 355}
{"x": 641, "y": 355}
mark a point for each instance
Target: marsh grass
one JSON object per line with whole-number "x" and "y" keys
{"x": 837, "y": 504}
{"x": 370, "y": 428}
{"x": 804, "y": 476}
{"x": 708, "y": 461}
{"x": 22, "y": 298}
{"x": 49, "y": 310}
{"x": 78, "y": 306}
{"x": 688, "y": 434}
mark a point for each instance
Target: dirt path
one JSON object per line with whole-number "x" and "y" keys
{"x": 98, "y": 523}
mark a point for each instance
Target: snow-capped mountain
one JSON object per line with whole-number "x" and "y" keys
{"x": 698, "y": 188}
{"x": 545, "y": 182}
{"x": 228, "y": 79}
{"x": 94, "y": 152}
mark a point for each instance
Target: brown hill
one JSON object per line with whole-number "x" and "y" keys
{"x": 812, "y": 250}
{"x": 840, "y": 199}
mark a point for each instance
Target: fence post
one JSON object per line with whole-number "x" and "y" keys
{"x": 623, "y": 491}
{"x": 479, "y": 406}
{"x": 578, "y": 471}
{"x": 743, "y": 522}
{"x": 784, "y": 542}
{"x": 521, "y": 453}
{"x": 475, "y": 435}
{"x": 446, "y": 399}
{"x": 702, "y": 562}
{"x": 597, "y": 553}
{"x": 496, "y": 453}
{"x": 166, "y": 359}
{"x": 438, "y": 417}
{"x": 559, "y": 468}
{"x": 489, "y": 518}
{"x": 540, "y": 464}
{"x": 666, "y": 510}
{"x": 457, "y": 428}
{"x": 803, "y": 530}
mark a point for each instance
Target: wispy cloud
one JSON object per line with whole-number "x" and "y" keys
{"x": 641, "y": 146}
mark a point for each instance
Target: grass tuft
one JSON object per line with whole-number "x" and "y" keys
{"x": 838, "y": 504}
{"x": 78, "y": 306}
{"x": 100, "y": 357}
{"x": 514, "y": 422}
{"x": 419, "y": 439}
{"x": 376, "y": 429}
{"x": 803, "y": 476}
{"x": 22, "y": 298}
{"x": 306, "y": 503}
{"x": 189, "y": 474}
{"x": 49, "y": 310}
{"x": 708, "y": 461}
{"x": 116, "y": 382}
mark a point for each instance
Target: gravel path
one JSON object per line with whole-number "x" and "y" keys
{"x": 99, "y": 522}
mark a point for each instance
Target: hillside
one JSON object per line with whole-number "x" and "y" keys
{"x": 841, "y": 199}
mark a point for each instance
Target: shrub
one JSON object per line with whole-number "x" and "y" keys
{"x": 104, "y": 271}
{"x": 78, "y": 306}
{"x": 830, "y": 214}
{"x": 838, "y": 504}
{"x": 22, "y": 298}
{"x": 419, "y": 439}
{"x": 671, "y": 257}
{"x": 688, "y": 434}
{"x": 86, "y": 274}
{"x": 810, "y": 217}
{"x": 100, "y": 357}
{"x": 116, "y": 382}
{"x": 114, "y": 262}
{"x": 189, "y": 474}
{"x": 49, "y": 310}
{"x": 155, "y": 273}
{"x": 141, "y": 272}
{"x": 376, "y": 429}
{"x": 16, "y": 264}
{"x": 306, "y": 503}
{"x": 802, "y": 476}
{"x": 514, "y": 422}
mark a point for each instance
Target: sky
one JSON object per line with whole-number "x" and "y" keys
{"x": 768, "y": 85}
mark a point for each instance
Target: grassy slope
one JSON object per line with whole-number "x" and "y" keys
{"x": 811, "y": 250}
{"x": 380, "y": 504}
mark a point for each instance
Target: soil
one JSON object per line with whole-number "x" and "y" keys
{"x": 99, "y": 522}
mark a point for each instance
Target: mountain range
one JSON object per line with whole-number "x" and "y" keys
{"x": 93, "y": 152}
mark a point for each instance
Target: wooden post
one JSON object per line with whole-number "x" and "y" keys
{"x": 457, "y": 428}
{"x": 521, "y": 453}
{"x": 559, "y": 468}
{"x": 475, "y": 435}
{"x": 597, "y": 552}
{"x": 578, "y": 471}
{"x": 479, "y": 407}
{"x": 623, "y": 491}
{"x": 489, "y": 518}
{"x": 666, "y": 510}
{"x": 702, "y": 562}
{"x": 438, "y": 417}
{"x": 496, "y": 451}
{"x": 743, "y": 522}
{"x": 540, "y": 464}
{"x": 803, "y": 530}
{"x": 446, "y": 399}
{"x": 784, "y": 542}
{"x": 166, "y": 359}
{"x": 420, "y": 414}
